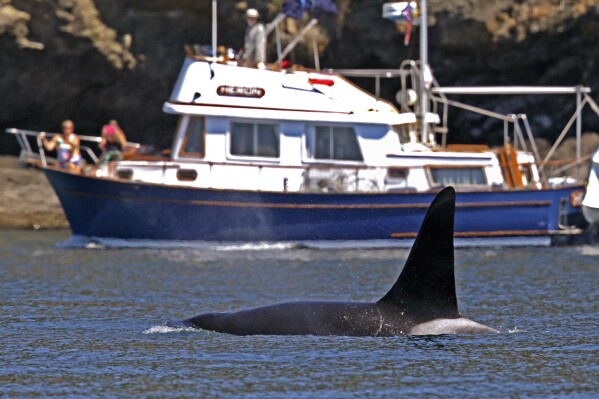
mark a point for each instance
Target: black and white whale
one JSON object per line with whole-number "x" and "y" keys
{"x": 421, "y": 302}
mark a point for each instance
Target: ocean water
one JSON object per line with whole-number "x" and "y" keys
{"x": 91, "y": 323}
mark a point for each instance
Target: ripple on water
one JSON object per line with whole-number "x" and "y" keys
{"x": 87, "y": 323}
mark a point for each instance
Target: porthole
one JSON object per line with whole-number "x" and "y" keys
{"x": 187, "y": 175}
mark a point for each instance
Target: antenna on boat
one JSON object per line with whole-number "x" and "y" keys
{"x": 396, "y": 11}
{"x": 214, "y": 33}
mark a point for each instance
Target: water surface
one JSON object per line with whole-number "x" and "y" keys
{"x": 89, "y": 323}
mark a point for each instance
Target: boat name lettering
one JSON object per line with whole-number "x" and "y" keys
{"x": 240, "y": 91}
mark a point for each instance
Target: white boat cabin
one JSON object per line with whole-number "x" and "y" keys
{"x": 300, "y": 131}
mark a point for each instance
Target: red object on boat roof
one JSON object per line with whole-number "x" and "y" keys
{"x": 319, "y": 81}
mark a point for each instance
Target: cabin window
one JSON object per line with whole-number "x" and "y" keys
{"x": 398, "y": 173}
{"x": 254, "y": 139}
{"x": 193, "y": 142}
{"x": 338, "y": 143}
{"x": 445, "y": 176}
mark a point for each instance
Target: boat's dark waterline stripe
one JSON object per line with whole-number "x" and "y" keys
{"x": 472, "y": 234}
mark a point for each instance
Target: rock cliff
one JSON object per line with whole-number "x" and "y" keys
{"x": 93, "y": 60}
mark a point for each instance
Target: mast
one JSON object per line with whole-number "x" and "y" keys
{"x": 396, "y": 11}
{"x": 424, "y": 68}
{"x": 214, "y": 22}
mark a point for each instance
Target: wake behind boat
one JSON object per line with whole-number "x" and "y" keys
{"x": 295, "y": 154}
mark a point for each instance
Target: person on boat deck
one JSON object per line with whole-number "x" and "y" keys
{"x": 115, "y": 123}
{"x": 113, "y": 142}
{"x": 254, "y": 49}
{"x": 119, "y": 132}
{"x": 67, "y": 145}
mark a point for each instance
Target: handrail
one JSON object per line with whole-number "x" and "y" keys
{"x": 472, "y": 108}
{"x": 510, "y": 90}
{"x": 582, "y": 99}
{"x": 89, "y": 153}
{"x": 576, "y": 162}
{"x": 565, "y": 131}
{"x": 35, "y": 133}
{"x": 41, "y": 150}
{"x": 22, "y": 135}
{"x": 376, "y": 74}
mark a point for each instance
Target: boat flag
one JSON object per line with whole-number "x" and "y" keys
{"x": 295, "y": 8}
{"x": 407, "y": 12}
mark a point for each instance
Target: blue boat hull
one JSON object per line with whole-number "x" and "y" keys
{"x": 105, "y": 208}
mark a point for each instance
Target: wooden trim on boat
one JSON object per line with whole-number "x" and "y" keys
{"x": 307, "y": 206}
{"x": 508, "y": 159}
{"x": 436, "y": 157}
{"x": 481, "y": 234}
{"x": 467, "y": 148}
{"x": 146, "y": 158}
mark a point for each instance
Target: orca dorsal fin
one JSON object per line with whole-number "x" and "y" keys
{"x": 425, "y": 289}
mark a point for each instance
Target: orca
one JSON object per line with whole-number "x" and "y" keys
{"x": 421, "y": 302}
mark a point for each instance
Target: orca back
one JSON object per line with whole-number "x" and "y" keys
{"x": 425, "y": 289}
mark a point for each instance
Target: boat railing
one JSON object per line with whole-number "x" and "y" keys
{"x": 517, "y": 129}
{"x": 521, "y": 135}
{"x": 376, "y": 74}
{"x": 583, "y": 99}
{"x": 411, "y": 75}
{"x": 31, "y": 155}
{"x": 558, "y": 168}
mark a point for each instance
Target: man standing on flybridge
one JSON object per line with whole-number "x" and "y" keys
{"x": 254, "y": 50}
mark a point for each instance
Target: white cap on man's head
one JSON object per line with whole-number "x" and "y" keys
{"x": 252, "y": 13}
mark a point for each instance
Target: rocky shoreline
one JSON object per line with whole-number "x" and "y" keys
{"x": 120, "y": 59}
{"x": 27, "y": 200}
